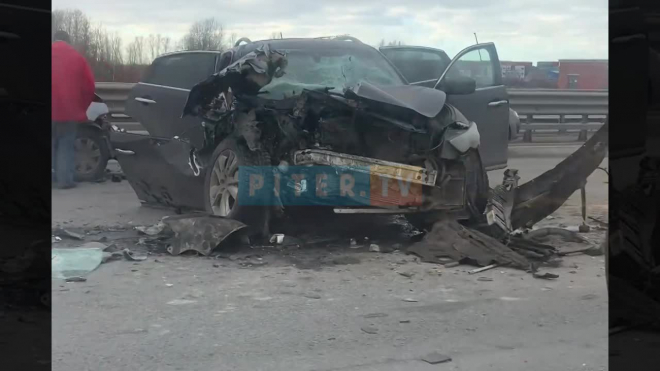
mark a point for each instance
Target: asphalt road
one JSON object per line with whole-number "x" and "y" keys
{"x": 325, "y": 308}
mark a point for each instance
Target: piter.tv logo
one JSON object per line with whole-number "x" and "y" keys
{"x": 324, "y": 186}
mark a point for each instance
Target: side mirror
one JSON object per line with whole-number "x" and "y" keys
{"x": 461, "y": 85}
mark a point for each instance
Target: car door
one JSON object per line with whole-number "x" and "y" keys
{"x": 488, "y": 106}
{"x": 419, "y": 65}
{"x": 158, "y": 100}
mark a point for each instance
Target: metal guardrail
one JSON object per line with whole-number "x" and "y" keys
{"x": 540, "y": 109}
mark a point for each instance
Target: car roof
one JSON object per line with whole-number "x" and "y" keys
{"x": 412, "y": 47}
{"x": 302, "y": 43}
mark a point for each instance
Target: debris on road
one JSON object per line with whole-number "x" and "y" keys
{"x": 75, "y": 279}
{"x": 277, "y": 238}
{"x": 128, "y": 254}
{"x": 449, "y": 239}
{"x": 345, "y": 260}
{"x": 375, "y": 315}
{"x": 199, "y": 232}
{"x": 154, "y": 230}
{"x": 410, "y": 300}
{"x": 181, "y": 302}
{"x": 545, "y": 276}
{"x": 374, "y": 248}
{"x": 369, "y": 330}
{"x": 74, "y": 262}
{"x": 484, "y": 279}
{"x": 354, "y": 244}
{"x": 436, "y": 358}
{"x": 407, "y": 274}
{"x": 543, "y": 233}
{"x": 55, "y": 239}
{"x": 63, "y": 233}
{"x": 482, "y": 269}
{"x": 451, "y": 264}
{"x": 312, "y": 296}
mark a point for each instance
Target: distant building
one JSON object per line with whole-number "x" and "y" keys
{"x": 515, "y": 70}
{"x": 583, "y": 74}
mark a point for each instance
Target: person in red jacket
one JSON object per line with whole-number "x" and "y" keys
{"x": 72, "y": 93}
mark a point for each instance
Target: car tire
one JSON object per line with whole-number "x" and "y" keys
{"x": 477, "y": 189}
{"x": 220, "y": 163}
{"x": 92, "y": 154}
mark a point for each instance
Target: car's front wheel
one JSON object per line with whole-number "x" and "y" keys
{"x": 221, "y": 183}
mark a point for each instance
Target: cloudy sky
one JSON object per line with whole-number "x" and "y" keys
{"x": 523, "y": 30}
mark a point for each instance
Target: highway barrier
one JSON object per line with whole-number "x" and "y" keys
{"x": 540, "y": 110}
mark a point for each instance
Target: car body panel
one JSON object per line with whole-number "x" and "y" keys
{"x": 158, "y": 170}
{"x": 158, "y": 107}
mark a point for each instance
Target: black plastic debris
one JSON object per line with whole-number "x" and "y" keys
{"x": 199, "y": 232}
{"x": 436, "y": 358}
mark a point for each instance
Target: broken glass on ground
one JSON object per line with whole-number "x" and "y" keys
{"x": 75, "y": 262}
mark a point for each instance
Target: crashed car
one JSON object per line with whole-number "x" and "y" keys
{"x": 294, "y": 113}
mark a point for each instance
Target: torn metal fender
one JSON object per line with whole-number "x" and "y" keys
{"x": 543, "y": 195}
{"x": 199, "y": 232}
{"x": 245, "y": 77}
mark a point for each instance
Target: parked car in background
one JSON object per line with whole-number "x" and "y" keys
{"x": 93, "y": 149}
{"x": 423, "y": 66}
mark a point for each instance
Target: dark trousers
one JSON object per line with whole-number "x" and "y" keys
{"x": 63, "y": 152}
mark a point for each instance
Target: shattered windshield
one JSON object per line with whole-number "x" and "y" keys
{"x": 332, "y": 68}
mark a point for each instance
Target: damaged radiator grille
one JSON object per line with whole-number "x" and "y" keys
{"x": 384, "y": 169}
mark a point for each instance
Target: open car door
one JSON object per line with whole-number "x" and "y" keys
{"x": 488, "y": 105}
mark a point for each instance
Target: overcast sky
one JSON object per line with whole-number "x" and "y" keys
{"x": 523, "y": 30}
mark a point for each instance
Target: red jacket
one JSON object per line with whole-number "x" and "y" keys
{"x": 72, "y": 84}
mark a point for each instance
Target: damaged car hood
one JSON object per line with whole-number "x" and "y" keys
{"x": 425, "y": 101}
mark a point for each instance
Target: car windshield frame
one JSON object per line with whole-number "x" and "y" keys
{"x": 346, "y": 66}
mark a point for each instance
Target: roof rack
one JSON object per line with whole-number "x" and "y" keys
{"x": 341, "y": 38}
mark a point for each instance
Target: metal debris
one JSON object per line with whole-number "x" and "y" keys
{"x": 199, "y": 232}
{"x": 153, "y": 230}
{"x": 484, "y": 279}
{"x": 482, "y": 269}
{"x": 277, "y": 238}
{"x": 60, "y": 232}
{"x": 436, "y": 358}
{"x": 369, "y": 330}
{"x": 545, "y": 276}
{"x": 546, "y": 193}
{"x": 75, "y": 279}
{"x": 128, "y": 254}
{"x": 407, "y": 274}
{"x": 542, "y": 233}
{"x": 449, "y": 239}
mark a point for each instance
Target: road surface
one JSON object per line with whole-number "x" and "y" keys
{"x": 325, "y": 308}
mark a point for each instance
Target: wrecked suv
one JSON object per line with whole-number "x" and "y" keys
{"x": 335, "y": 105}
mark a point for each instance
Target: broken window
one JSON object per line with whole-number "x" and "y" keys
{"x": 333, "y": 68}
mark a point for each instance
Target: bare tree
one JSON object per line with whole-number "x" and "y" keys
{"x": 135, "y": 51}
{"x": 77, "y": 25}
{"x": 157, "y": 45}
{"x": 232, "y": 39}
{"x": 206, "y": 34}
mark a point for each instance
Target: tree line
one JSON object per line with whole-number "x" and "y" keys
{"x": 112, "y": 61}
